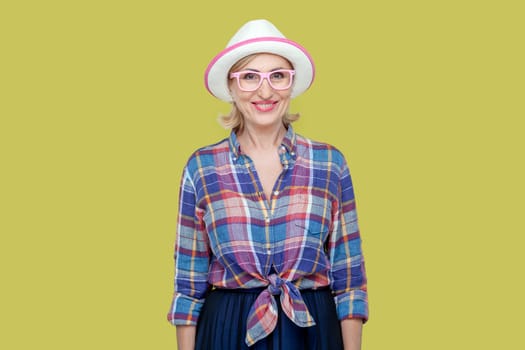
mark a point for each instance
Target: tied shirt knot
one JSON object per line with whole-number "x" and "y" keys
{"x": 263, "y": 314}
{"x": 275, "y": 284}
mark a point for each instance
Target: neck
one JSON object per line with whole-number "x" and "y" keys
{"x": 262, "y": 138}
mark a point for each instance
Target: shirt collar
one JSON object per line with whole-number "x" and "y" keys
{"x": 289, "y": 140}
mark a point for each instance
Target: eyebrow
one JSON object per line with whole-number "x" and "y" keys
{"x": 256, "y": 70}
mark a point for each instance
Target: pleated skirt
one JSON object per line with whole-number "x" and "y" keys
{"x": 222, "y": 323}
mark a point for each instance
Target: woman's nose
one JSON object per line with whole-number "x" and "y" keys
{"x": 265, "y": 90}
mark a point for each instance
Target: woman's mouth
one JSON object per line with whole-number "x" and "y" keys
{"x": 264, "y": 106}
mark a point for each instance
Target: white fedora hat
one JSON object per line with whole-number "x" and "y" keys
{"x": 258, "y": 36}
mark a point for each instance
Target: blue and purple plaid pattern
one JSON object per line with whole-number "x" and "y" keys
{"x": 305, "y": 236}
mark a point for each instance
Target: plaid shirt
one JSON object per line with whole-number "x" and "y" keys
{"x": 304, "y": 237}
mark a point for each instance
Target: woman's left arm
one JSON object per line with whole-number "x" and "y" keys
{"x": 352, "y": 329}
{"x": 349, "y": 282}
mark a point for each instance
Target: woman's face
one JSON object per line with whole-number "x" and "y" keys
{"x": 264, "y": 107}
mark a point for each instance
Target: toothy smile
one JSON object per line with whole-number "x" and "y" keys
{"x": 264, "y": 106}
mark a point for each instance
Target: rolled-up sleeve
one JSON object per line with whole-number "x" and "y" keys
{"x": 191, "y": 258}
{"x": 348, "y": 274}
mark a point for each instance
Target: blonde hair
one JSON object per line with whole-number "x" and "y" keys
{"x": 235, "y": 120}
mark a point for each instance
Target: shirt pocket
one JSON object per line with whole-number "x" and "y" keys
{"x": 317, "y": 234}
{"x": 311, "y": 253}
{"x": 315, "y": 214}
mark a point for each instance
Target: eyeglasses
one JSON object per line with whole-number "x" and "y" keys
{"x": 248, "y": 80}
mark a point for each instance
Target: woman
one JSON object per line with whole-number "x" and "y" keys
{"x": 268, "y": 252}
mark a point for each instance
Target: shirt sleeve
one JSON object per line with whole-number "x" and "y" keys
{"x": 346, "y": 257}
{"x": 191, "y": 258}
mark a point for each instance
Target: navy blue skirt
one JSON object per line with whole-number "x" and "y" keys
{"x": 222, "y": 323}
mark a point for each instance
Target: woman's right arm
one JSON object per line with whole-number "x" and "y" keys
{"x": 191, "y": 265}
{"x": 186, "y": 337}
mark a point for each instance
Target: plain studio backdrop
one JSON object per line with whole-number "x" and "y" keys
{"x": 102, "y": 102}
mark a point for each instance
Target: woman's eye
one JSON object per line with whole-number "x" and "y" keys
{"x": 277, "y": 76}
{"x": 249, "y": 76}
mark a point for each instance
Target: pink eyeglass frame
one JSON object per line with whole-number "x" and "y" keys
{"x": 262, "y": 76}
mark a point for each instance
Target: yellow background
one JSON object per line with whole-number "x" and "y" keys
{"x": 101, "y": 103}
